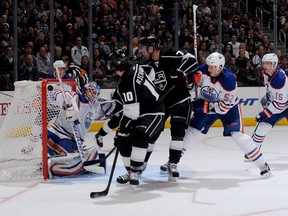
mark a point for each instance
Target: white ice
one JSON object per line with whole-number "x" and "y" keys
{"x": 214, "y": 181}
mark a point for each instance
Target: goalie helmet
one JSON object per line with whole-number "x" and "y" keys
{"x": 91, "y": 92}
{"x": 270, "y": 57}
{"x": 118, "y": 60}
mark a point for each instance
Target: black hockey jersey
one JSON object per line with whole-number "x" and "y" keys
{"x": 171, "y": 60}
{"x": 138, "y": 93}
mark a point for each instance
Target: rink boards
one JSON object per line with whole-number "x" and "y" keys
{"x": 249, "y": 99}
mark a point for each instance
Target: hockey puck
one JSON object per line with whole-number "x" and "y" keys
{"x": 50, "y": 87}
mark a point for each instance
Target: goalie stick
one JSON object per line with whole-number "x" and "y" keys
{"x": 105, "y": 192}
{"x": 79, "y": 143}
{"x": 92, "y": 162}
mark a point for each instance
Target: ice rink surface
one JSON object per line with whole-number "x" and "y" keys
{"x": 214, "y": 181}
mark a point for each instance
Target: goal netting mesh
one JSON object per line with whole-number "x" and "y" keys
{"x": 23, "y": 143}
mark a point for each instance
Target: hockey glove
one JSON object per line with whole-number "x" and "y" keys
{"x": 264, "y": 102}
{"x": 263, "y": 116}
{"x": 120, "y": 139}
{"x": 99, "y": 140}
{"x": 176, "y": 74}
{"x": 200, "y": 106}
{"x": 194, "y": 77}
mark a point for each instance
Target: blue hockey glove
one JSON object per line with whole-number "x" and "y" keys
{"x": 263, "y": 116}
{"x": 193, "y": 77}
{"x": 200, "y": 106}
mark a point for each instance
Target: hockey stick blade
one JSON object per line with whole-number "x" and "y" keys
{"x": 95, "y": 169}
{"x": 92, "y": 162}
{"x": 105, "y": 192}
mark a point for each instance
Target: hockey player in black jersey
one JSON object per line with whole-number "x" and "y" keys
{"x": 143, "y": 112}
{"x": 171, "y": 67}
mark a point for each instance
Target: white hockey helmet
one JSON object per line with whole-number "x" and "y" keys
{"x": 91, "y": 92}
{"x": 59, "y": 64}
{"x": 273, "y": 58}
{"x": 215, "y": 59}
{"x": 59, "y": 68}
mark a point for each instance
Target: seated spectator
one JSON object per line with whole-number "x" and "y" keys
{"x": 58, "y": 53}
{"x": 228, "y": 52}
{"x": 251, "y": 48}
{"x": 235, "y": 44}
{"x": 284, "y": 64}
{"x": 28, "y": 70}
{"x": 78, "y": 51}
{"x": 27, "y": 51}
{"x": 242, "y": 46}
{"x": 241, "y": 62}
{"x": 43, "y": 62}
{"x": 99, "y": 73}
{"x": 6, "y": 69}
{"x": 85, "y": 63}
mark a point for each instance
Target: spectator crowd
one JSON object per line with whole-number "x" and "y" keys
{"x": 243, "y": 42}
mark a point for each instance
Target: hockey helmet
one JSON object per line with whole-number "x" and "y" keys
{"x": 119, "y": 60}
{"x": 215, "y": 59}
{"x": 59, "y": 68}
{"x": 91, "y": 92}
{"x": 270, "y": 57}
{"x": 151, "y": 40}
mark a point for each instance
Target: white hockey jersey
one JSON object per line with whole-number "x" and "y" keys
{"x": 220, "y": 91}
{"x": 88, "y": 114}
{"x": 276, "y": 91}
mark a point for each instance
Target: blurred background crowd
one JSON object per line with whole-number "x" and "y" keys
{"x": 244, "y": 41}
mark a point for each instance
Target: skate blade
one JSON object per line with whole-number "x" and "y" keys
{"x": 172, "y": 178}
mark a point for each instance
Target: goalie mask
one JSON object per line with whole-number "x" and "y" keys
{"x": 269, "y": 63}
{"x": 91, "y": 92}
{"x": 118, "y": 60}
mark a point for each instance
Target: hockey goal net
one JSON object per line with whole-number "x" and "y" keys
{"x": 23, "y": 143}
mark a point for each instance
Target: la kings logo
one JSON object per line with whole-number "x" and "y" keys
{"x": 160, "y": 80}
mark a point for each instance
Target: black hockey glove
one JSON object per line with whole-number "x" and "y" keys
{"x": 120, "y": 139}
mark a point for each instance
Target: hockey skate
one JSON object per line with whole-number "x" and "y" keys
{"x": 123, "y": 179}
{"x": 164, "y": 168}
{"x": 246, "y": 159}
{"x": 172, "y": 172}
{"x": 265, "y": 171}
{"x": 134, "y": 178}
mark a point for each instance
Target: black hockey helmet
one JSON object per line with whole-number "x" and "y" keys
{"x": 151, "y": 40}
{"x": 118, "y": 59}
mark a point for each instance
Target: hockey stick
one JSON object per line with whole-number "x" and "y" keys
{"x": 92, "y": 162}
{"x": 79, "y": 143}
{"x": 195, "y": 44}
{"x": 105, "y": 192}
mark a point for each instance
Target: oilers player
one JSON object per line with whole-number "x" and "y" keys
{"x": 84, "y": 107}
{"x": 218, "y": 100}
{"x": 275, "y": 101}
